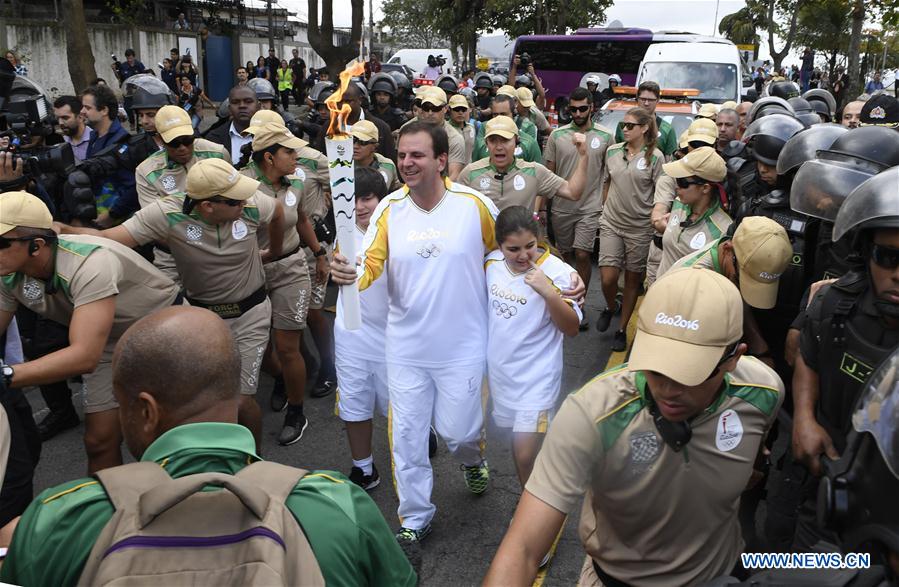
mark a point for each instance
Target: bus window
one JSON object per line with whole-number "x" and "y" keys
{"x": 585, "y": 55}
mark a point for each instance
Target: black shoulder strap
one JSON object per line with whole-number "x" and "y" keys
{"x": 837, "y": 304}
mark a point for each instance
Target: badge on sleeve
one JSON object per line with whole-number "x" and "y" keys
{"x": 729, "y": 432}
{"x": 194, "y": 232}
{"x": 594, "y": 144}
{"x": 300, "y": 173}
{"x": 518, "y": 151}
{"x": 641, "y": 163}
{"x": 485, "y": 182}
{"x": 239, "y": 229}
{"x": 518, "y": 183}
{"x": 168, "y": 183}
{"x": 290, "y": 199}
{"x": 698, "y": 241}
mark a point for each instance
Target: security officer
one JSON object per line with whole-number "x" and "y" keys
{"x": 525, "y": 124}
{"x": 382, "y": 89}
{"x": 509, "y": 181}
{"x": 504, "y": 105}
{"x": 287, "y": 276}
{"x": 804, "y": 112}
{"x": 880, "y": 110}
{"x": 433, "y": 111}
{"x": 709, "y": 111}
{"x": 177, "y": 378}
{"x": 449, "y": 84}
{"x": 96, "y": 287}
{"x": 662, "y": 447}
{"x": 148, "y": 94}
{"x": 852, "y": 325}
{"x": 404, "y": 96}
{"x": 575, "y": 224}
{"x": 527, "y": 110}
{"x": 212, "y": 236}
{"x": 822, "y": 102}
{"x": 648, "y": 96}
{"x": 696, "y": 216}
{"x": 483, "y": 86}
{"x": 782, "y": 89}
{"x": 365, "y": 153}
{"x": 164, "y": 173}
{"x": 459, "y": 118}
{"x": 701, "y": 133}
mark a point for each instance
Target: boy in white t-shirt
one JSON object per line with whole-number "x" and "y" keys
{"x": 360, "y": 356}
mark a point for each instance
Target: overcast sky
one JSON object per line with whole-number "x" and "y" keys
{"x": 696, "y": 16}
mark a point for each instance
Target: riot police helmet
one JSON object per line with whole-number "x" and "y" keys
{"x": 783, "y": 89}
{"x": 803, "y": 146}
{"x": 769, "y": 134}
{"x": 263, "y": 88}
{"x": 382, "y": 82}
{"x": 873, "y": 204}
{"x": 498, "y": 80}
{"x": 523, "y": 80}
{"x": 804, "y": 111}
{"x": 483, "y": 80}
{"x": 402, "y": 82}
{"x": 821, "y": 108}
{"x": 817, "y": 96}
{"x": 769, "y": 105}
{"x": 147, "y": 91}
{"x": 320, "y": 91}
{"x": 448, "y": 84}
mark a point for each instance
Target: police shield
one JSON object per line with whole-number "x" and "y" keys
{"x": 873, "y": 203}
{"x": 877, "y": 411}
{"x": 821, "y": 186}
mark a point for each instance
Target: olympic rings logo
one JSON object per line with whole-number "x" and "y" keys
{"x": 429, "y": 251}
{"x": 504, "y": 310}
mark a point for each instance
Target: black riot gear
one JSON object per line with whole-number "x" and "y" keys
{"x": 783, "y": 89}
{"x": 817, "y": 97}
{"x": 769, "y": 134}
{"x": 803, "y": 146}
{"x": 768, "y": 105}
{"x": 804, "y": 111}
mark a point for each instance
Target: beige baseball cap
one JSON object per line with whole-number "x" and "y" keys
{"x": 763, "y": 252}
{"x": 729, "y": 105}
{"x": 707, "y": 111}
{"x": 457, "y": 101}
{"x": 217, "y": 177}
{"x": 503, "y": 126}
{"x": 525, "y": 97}
{"x": 682, "y": 142}
{"x": 264, "y": 116}
{"x": 366, "y": 131}
{"x": 173, "y": 122}
{"x": 432, "y": 95}
{"x": 507, "y": 90}
{"x": 703, "y": 129}
{"x": 703, "y": 162}
{"x": 23, "y": 209}
{"x": 686, "y": 321}
{"x": 271, "y": 133}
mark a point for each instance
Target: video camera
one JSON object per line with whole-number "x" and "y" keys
{"x": 525, "y": 60}
{"x": 24, "y": 119}
{"x": 438, "y": 61}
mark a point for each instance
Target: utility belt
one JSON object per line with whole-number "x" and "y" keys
{"x": 235, "y": 309}
{"x": 285, "y": 255}
{"x": 608, "y": 581}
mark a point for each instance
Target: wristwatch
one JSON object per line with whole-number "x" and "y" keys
{"x": 321, "y": 252}
{"x": 7, "y": 372}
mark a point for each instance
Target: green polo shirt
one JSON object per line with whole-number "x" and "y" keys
{"x": 347, "y": 532}
{"x": 530, "y": 150}
{"x": 667, "y": 141}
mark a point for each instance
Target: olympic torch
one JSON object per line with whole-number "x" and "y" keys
{"x": 339, "y": 149}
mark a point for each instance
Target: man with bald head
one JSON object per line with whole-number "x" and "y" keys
{"x": 743, "y": 110}
{"x": 176, "y": 375}
{"x": 728, "y": 122}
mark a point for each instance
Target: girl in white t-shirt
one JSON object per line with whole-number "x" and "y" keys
{"x": 527, "y": 317}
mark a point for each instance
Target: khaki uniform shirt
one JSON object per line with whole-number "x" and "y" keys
{"x": 653, "y": 516}
{"x": 561, "y": 151}
{"x": 666, "y": 190}
{"x": 519, "y": 186}
{"x": 218, "y": 263}
{"x": 680, "y": 240}
{"x": 468, "y": 133}
{"x": 632, "y": 187}
{"x": 539, "y": 120}
{"x": 87, "y": 269}
{"x": 290, "y": 193}
{"x": 312, "y": 169}
{"x": 387, "y": 169}
{"x": 158, "y": 177}
{"x": 706, "y": 258}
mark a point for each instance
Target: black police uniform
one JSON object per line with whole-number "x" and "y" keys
{"x": 392, "y": 116}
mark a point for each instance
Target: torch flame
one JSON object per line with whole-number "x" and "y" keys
{"x": 340, "y": 112}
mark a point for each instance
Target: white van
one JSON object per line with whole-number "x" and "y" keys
{"x": 417, "y": 59}
{"x": 711, "y": 65}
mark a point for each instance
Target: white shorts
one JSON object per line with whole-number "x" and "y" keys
{"x": 522, "y": 420}
{"x": 362, "y": 387}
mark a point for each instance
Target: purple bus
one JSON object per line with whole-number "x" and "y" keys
{"x": 562, "y": 60}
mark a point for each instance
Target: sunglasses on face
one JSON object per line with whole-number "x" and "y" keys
{"x": 179, "y": 142}
{"x": 578, "y": 109}
{"x": 727, "y": 357}
{"x": 460, "y": 109}
{"x": 225, "y": 201}
{"x": 364, "y": 143}
{"x": 685, "y": 182}
{"x": 885, "y": 257}
{"x": 628, "y": 125}
{"x": 428, "y": 107}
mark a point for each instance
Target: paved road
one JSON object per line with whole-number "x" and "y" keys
{"x": 467, "y": 528}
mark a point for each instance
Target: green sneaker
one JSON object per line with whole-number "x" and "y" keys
{"x": 477, "y": 477}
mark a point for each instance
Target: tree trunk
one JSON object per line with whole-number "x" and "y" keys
{"x": 321, "y": 38}
{"x": 778, "y": 56}
{"x": 473, "y": 49}
{"x": 855, "y": 43}
{"x": 80, "y": 56}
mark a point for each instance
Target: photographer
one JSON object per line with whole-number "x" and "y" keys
{"x": 115, "y": 195}
{"x": 434, "y": 68}
{"x": 125, "y": 70}
{"x": 524, "y": 61}
{"x": 67, "y": 110}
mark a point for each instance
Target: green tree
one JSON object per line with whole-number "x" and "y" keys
{"x": 321, "y": 37}
{"x": 415, "y": 24}
{"x": 778, "y": 18}
{"x": 545, "y": 16}
{"x": 740, "y": 27}
{"x": 822, "y": 27}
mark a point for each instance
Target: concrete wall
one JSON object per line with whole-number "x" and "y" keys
{"x": 43, "y": 45}
{"x": 251, "y": 48}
